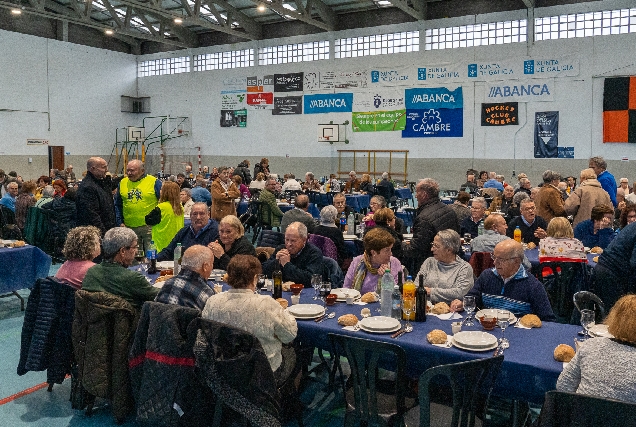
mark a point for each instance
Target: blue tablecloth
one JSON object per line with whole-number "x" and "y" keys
{"x": 404, "y": 193}
{"x": 21, "y": 267}
{"x": 241, "y": 208}
{"x": 358, "y": 202}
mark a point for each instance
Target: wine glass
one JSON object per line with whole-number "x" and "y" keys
{"x": 503, "y": 320}
{"x": 587, "y": 320}
{"x": 316, "y": 280}
{"x": 469, "y": 306}
{"x": 408, "y": 306}
{"x": 260, "y": 283}
{"x": 325, "y": 289}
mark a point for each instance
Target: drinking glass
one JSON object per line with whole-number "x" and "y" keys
{"x": 469, "y": 307}
{"x": 467, "y": 238}
{"x": 587, "y": 320}
{"x": 408, "y": 306}
{"x": 260, "y": 283}
{"x": 503, "y": 320}
{"x": 325, "y": 289}
{"x": 316, "y": 280}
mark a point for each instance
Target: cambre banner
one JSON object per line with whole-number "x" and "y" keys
{"x": 500, "y": 114}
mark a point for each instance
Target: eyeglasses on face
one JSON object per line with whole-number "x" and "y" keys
{"x": 495, "y": 259}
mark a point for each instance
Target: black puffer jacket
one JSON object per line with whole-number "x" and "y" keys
{"x": 95, "y": 203}
{"x": 46, "y": 331}
{"x": 243, "y": 170}
{"x": 432, "y": 216}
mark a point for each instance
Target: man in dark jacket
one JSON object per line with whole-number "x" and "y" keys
{"x": 243, "y": 170}
{"x": 432, "y": 216}
{"x": 94, "y": 200}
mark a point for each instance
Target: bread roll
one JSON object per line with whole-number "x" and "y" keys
{"x": 283, "y": 302}
{"x": 531, "y": 245}
{"x": 348, "y": 320}
{"x": 563, "y": 353}
{"x": 437, "y": 336}
{"x": 530, "y": 321}
{"x": 440, "y": 308}
{"x": 596, "y": 250}
{"x": 369, "y": 297}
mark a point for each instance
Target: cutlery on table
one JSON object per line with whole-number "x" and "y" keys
{"x": 328, "y": 316}
{"x": 399, "y": 333}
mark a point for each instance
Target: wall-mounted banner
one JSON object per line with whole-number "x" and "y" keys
{"x": 233, "y": 101}
{"x": 260, "y": 101}
{"x": 434, "y": 123}
{"x": 503, "y": 114}
{"x": 233, "y": 118}
{"x": 438, "y": 97}
{"x": 525, "y": 90}
{"x": 284, "y": 105}
{"x": 335, "y": 80}
{"x": 442, "y": 73}
{"x": 398, "y": 76}
{"x": 290, "y": 82}
{"x": 546, "y": 134}
{"x": 37, "y": 142}
{"x": 232, "y": 84}
{"x": 379, "y": 100}
{"x": 378, "y": 121}
{"x": 328, "y": 103}
{"x": 260, "y": 84}
{"x": 619, "y": 109}
{"x": 566, "y": 152}
{"x": 551, "y": 67}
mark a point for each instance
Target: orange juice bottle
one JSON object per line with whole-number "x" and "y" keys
{"x": 408, "y": 291}
{"x": 517, "y": 234}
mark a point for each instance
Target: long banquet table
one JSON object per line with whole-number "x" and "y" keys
{"x": 21, "y": 267}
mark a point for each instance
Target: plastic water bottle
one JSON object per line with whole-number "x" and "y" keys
{"x": 480, "y": 228}
{"x": 351, "y": 224}
{"x": 396, "y": 306}
{"x": 343, "y": 221}
{"x": 177, "y": 259}
{"x": 151, "y": 255}
{"x": 517, "y": 234}
{"x": 386, "y": 295}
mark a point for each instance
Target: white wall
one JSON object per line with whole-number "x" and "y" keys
{"x": 63, "y": 92}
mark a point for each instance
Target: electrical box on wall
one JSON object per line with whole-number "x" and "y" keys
{"x": 131, "y": 104}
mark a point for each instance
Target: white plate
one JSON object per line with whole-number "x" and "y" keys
{"x": 456, "y": 344}
{"x": 475, "y": 339}
{"x": 380, "y": 323}
{"x": 373, "y": 331}
{"x": 491, "y": 312}
{"x": 350, "y": 236}
{"x": 600, "y": 331}
{"x": 165, "y": 264}
{"x": 342, "y": 293}
{"x": 306, "y": 311}
{"x": 407, "y": 236}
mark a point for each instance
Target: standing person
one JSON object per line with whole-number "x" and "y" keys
{"x": 243, "y": 170}
{"x": 431, "y": 216}
{"x": 571, "y": 181}
{"x": 23, "y": 201}
{"x": 268, "y": 204}
{"x": 138, "y": 194}
{"x": 604, "y": 177}
{"x": 549, "y": 199}
{"x": 615, "y": 272}
{"x": 624, "y": 184}
{"x": 262, "y": 166}
{"x": 94, "y": 200}
{"x": 588, "y": 194}
{"x": 224, "y": 191}
{"x": 170, "y": 217}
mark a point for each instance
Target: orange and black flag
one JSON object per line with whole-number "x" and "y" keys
{"x": 619, "y": 109}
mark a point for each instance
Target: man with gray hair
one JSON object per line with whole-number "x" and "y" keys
{"x": 298, "y": 259}
{"x": 493, "y": 182}
{"x": 604, "y": 177}
{"x": 385, "y": 188}
{"x": 47, "y": 196}
{"x": 299, "y": 213}
{"x": 311, "y": 184}
{"x": 549, "y": 199}
{"x": 190, "y": 287}
{"x": 112, "y": 275}
{"x": 471, "y": 223}
{"x": 588, "y": 194}
{"x": 431, "y": 216}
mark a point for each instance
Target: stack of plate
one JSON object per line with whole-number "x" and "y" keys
{"x": 306, "y": 311}
{"x": 217, "y": 275}
{"x": 475, "y": 341}
{"x": 164, "y": 265}
{"x": 349, "y": 236}
{"x": 491, "y": 312}
{"x": 380, "y": 324}
{"x": 600, "y": 331}
{"x": 343, "y": 292}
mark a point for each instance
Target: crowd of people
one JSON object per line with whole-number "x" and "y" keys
{"x": 109, "y": 221}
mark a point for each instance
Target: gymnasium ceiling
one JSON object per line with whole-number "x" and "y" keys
{"x": 156, "y": 25}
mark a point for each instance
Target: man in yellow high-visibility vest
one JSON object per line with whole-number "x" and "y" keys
{"x": 137, "y": 195}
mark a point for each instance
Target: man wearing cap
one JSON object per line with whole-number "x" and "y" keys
{"x": 353, "y": 182}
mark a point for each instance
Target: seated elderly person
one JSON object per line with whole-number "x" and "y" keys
{"x": 378, "y": 202}
{"x": 327, "y": 228}
{"x": 508, "y": 286}
{"x": 340, "y": 203}
{"x": 598, "y": 230}
{"x": 201, "y": 231}
{"x": 311, "y": 184}
{"x": 298, "y": 214}
{"x": 232, "y": 241}
{"x": 200, "y": 193}
{"x": 47, "y": 196}
{"x": 560, "y": 245}
{"x": 82, "y": 246}
{"x": 494, "y": 232}
{"x": 261, "y": 315}
{"x": 460, "y": 206}
{"x": 8, "y": 200}
{"x": 366, "y": 186}
{"x": 471, "y": 224}
{"x": 190, "y": 288}
{"x": 531, "y": 225}
{"x": 366, "y": 270}
{"x": 385, "y": 219}
{"x": 446, "y": 275}
{"x": 298, "y": 258}
{"x": 605, "y": 367}
{"x": 185, "y": 196}
{"x": 291, "y": 184}
{"x": 113, "y": 276}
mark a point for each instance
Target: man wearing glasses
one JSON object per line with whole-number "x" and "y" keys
{"x": 112, "y": 275}
{"x": 508, "y": 286}
{"x": 531, "y": 225}
{"x": 471, "y": 223}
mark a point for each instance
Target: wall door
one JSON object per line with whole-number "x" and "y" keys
{"x": 56, "y": 157}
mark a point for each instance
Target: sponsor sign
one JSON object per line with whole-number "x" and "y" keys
{"x": 335, "y": 80}
{"x": 260, "y": 84}
{"x": 378, "y": 121}
{"x": 546, "y": 134}
{"x": 503, "y": 114}
{"x": 290, "y": 82}
{"x": 434, "y": 123}
{"x": 37, "y": 142}
{"x": 525, "y": 90}
{"x": 233, "y": 84}
{"x": 379, "y": 100}
{"x": 233, "y": 101}
{"x": 233, "y": 118}
{"x": 284, "y": 105}
{"x": 439, "y": 97}
{"x": 401, "y": 76}
{"x": 551, "y": 67}
{"x": 328, "y": 103}
{"x": 260, "y": 101}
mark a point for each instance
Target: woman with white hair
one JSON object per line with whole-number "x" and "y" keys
{"x": 328, "y": 228}
{"x": 231, "y": 242}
